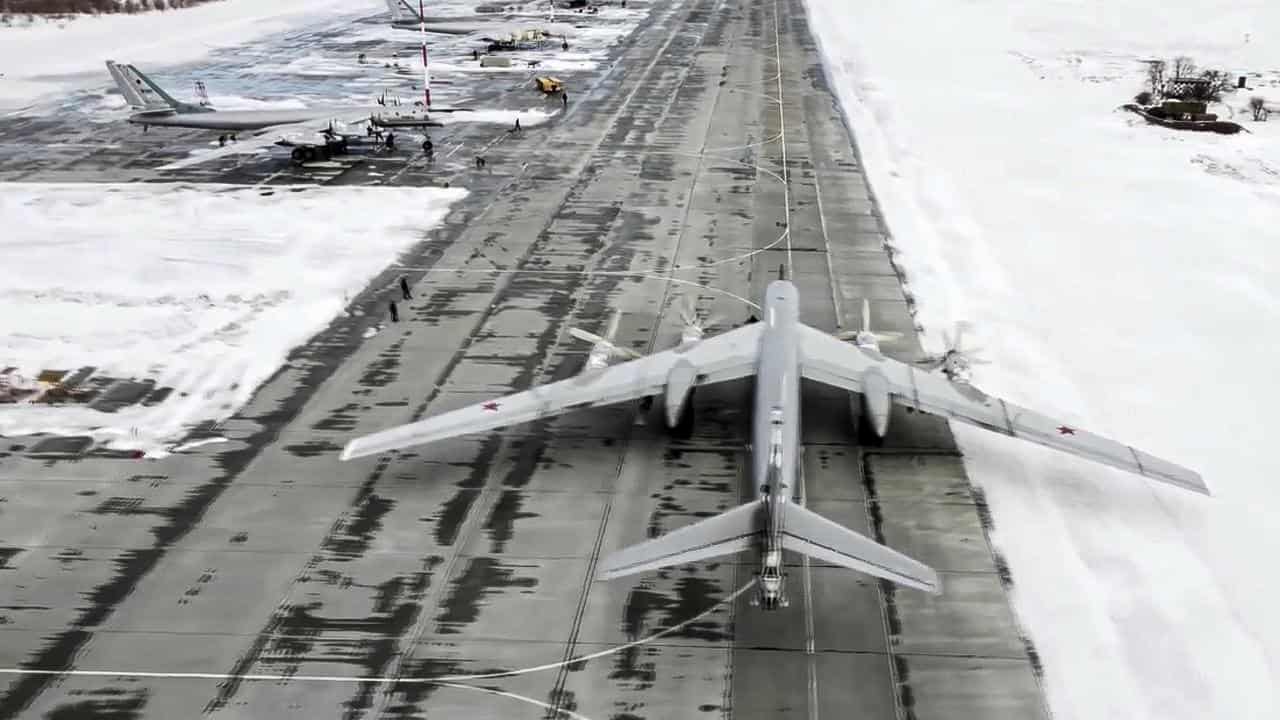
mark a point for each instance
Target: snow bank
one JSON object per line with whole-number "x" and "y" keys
{"x": 202, "y": 288}
{"x": 1120, "y": 274}
{"x": 47, "y": 57}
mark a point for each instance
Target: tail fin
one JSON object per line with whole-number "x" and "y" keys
{"x": 809, "y": 533}
{"x": 402, "y": 10}
{"x": 724, "y": 534}
{"x": 155, "y": 96}
{"x": 137, "y": 93}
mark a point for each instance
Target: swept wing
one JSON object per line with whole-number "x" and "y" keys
{"x": 724, "y": 357}
{"x": 828, "y": 360}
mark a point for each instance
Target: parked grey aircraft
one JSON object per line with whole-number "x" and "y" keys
{"x": 407, "y": 17}
{"x": 151, "y": 105}
{"x": 778, "y": 351}
{"x": 313, "y": 133}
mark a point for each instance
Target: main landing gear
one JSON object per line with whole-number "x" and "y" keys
{"x": 312, "y": 153}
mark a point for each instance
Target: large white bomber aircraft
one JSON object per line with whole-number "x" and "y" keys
{"x": 778, "y": 351}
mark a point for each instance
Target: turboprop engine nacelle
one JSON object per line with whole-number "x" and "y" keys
{"x": 680, "y": 381}
{"x": 875, "y": 400}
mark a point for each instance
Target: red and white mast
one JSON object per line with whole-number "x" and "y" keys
{"x": 426, "y": 70}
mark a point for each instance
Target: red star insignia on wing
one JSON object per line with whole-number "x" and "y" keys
{"x": 1065, "y": 430}
{"x": 491, "y": 406}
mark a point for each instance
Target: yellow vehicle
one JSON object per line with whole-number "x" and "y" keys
{"x": 549, "y": 85}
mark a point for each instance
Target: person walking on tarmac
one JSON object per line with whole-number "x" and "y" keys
{"x": 564, "y": 97}
{"x": 390, "y": 141}
{"x": 517, "y": 127}
{"x": 404, "y": 288}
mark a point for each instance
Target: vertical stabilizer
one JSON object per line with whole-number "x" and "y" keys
{"x": 154, "y": 95}
{"x": 402, "y": 11}
{"x": 137, "y": 93}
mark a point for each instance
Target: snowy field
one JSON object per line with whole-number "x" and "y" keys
{"x": 47, "y": 57}
{"x": 35, "y": 64}
{"x": 202, "y": 288}
{"x": 1121, "y": 274}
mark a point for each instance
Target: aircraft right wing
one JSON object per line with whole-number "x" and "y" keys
{"x": 724, "y": 357}
{"x": 828, "y": 360}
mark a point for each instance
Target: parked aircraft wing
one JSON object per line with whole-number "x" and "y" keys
{"x": 724, "y": 357}
{"x": 808, "y": 533}
{"x": 724, "y": 534}
{"x": 308, "y": 132}
{"x": 825, "y": 359}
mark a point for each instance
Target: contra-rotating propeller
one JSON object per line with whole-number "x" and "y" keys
{"x": 603, "y": 348}
{"x": 695, "y": 325}
{"x": 956, "y": 360}
{"x": 864, "y": 336}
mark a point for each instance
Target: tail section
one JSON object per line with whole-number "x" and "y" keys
{"x": 143, "y": 95}
{"x": 724, "y": 534}
{"x": 402, "y": 11}
{"x": 809, "y": 533}
{"x": 137, "y": 93}
{"x": 742, "y": 528}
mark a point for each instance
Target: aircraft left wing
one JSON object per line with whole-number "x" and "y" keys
{"x": 306, "y": 132}
{"x": 834, "y": 362}
{"x": 724, "y": 357}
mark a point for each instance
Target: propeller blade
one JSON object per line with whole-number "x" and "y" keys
{"x": 847, "y": 334}
{"x": 613, "y": 325}
{"x": 961, "y": 327}
{"x": 624, "y": 352}
{"x": 586, "y": 336}
{"x": 866, "y": 314}
{"x": 930, "y": 363}
{"x": 946, "y": 340}
{"x": 688, "y": 313}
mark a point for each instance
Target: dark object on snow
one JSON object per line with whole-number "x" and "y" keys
{"x": 480, "y": 162}
{"x": 404, "y": 288}
{"x": 395, "y": 312}
{"x": 565, "y": 97}
{"x": 222, "y": 141}
{"x": 1156, "y": 116}
{"x": 390, "y": 140}
{"x": 1240, "y": 84}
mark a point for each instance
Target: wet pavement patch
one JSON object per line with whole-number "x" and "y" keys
{"x": 482, "y": 576}
{"x": 106, "y": 704}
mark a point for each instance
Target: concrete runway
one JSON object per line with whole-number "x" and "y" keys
{"x": 358, "y": 589}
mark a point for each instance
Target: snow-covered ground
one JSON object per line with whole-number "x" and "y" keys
{"x": 1120, "y": 274}
{"x": 202, "y": 288}
{"x": 51, "y": 56}
{"x": 37, "y": 61}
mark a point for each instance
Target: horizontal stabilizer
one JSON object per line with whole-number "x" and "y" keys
{"x": 724, "y": 534}
{"x": 808, "y": 533}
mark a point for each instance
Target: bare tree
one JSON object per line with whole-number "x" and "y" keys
{"x": 1183, "y": 67}
{"x": 1155, "y": 78}
{"x": 1259, "y": 107}
{"x": 1216, "y": 83}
